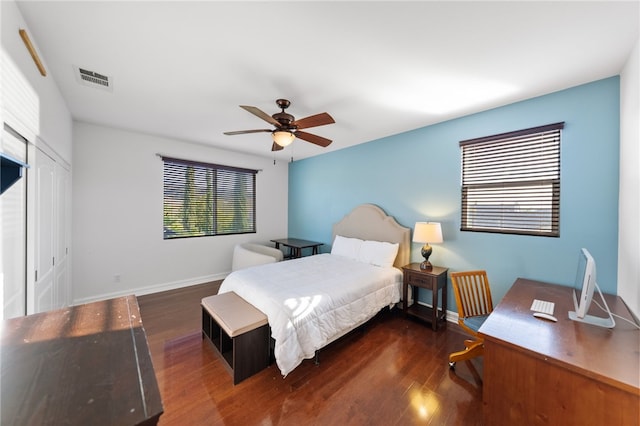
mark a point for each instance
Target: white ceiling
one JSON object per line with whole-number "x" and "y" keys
{"x": 180, "y": 69}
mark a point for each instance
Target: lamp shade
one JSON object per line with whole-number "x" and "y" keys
{"x": 283, "y": 137}
{"x": 427, "y": 232}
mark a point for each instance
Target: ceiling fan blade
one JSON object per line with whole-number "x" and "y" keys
{"x": 276, "y": 147}
{"x": 314, "y": 121}
{"x": 315, "y": 139}
{"x": 242, "y": 132}
{"x": 261, "y": 114}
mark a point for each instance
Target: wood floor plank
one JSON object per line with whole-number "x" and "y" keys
{"x": 393, "y": 371}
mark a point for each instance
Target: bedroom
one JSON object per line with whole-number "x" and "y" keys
{"x": 114, "y": 254}
{"x": 290, "y": 201}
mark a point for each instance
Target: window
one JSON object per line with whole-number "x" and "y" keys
{"x": 511, "y": 182}
{"x": 203, "y": 199}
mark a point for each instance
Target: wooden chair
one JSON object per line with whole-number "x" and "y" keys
{"x": 473, "y": 297}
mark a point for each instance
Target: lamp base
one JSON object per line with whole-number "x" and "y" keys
{"x": 426, "y": 252}
{"x": 426, "y": 265}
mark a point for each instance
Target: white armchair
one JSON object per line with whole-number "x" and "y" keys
{"x": 251, "y": 254}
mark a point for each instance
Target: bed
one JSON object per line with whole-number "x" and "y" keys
{"x": 314, "y": 300}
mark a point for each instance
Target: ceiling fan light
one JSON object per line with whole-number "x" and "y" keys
{"x": 283, "y": 137}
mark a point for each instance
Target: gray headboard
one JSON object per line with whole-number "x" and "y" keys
{"x": 370, "y": 222}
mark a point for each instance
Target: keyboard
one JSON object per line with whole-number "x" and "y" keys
{"x": 543, "y": 306}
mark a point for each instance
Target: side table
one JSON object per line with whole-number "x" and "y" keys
{"x": 296, "y": 245}
{"x": 434, "y": 279}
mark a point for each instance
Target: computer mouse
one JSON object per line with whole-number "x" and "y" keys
{"x": 545, "y": 316}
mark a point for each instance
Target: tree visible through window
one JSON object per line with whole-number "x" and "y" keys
{"x": 511, "y": 182}
{"x": 202, "y": 199}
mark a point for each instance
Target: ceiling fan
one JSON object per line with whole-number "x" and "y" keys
{"x": 287, "y": 128}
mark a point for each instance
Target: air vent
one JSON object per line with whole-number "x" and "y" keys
{"x": 94, "y": 79}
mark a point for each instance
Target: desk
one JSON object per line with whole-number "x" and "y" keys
{"x": 84, "y": 365}
{"x": 296, "y": 245}
{"x": 568, "y": 373}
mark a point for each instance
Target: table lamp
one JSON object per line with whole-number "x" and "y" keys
{"x": 427, "y": 232}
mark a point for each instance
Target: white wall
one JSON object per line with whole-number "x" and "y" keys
{"x": 118, "y": 218}
{"x": 629, "y": 208}
{"x": 49, "y": 117}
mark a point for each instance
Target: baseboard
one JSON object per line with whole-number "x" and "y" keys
{"x": 451, "y": 316}
{"x": 156, "y": 288}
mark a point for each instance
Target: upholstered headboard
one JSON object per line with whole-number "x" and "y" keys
{"x": 370, "y": 222}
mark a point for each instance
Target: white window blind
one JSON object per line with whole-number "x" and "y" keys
{"x": 202, "y": 199}
{"x": 511, "y": 182}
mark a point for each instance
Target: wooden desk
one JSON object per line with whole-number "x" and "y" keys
{"x": 296, "y": 245}
{"x": 84, "y": 365}
{"x": 563, "y": 373}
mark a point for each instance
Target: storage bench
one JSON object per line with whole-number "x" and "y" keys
{"x": 239, "y": 332}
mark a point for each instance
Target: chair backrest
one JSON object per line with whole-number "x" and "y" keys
{"x": 250, "y": 254}
{"x": 473, "y": 293}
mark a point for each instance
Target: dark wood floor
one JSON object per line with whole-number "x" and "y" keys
{"x": 393, "y": 372}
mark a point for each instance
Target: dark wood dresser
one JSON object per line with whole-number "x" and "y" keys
{"x": 83, "y": 365}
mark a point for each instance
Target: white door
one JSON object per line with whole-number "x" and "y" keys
{"x": 12, "y": 250}
{"x": 13, "y": 234}
{"x": 62, "y": 293}
{"x": 44, "y": 233}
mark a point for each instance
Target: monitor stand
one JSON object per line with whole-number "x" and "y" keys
{"x": 593, "y": 320}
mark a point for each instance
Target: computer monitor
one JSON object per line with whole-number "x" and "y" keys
{"x": 584, "y": 287}
{"x": 585, "y": 283}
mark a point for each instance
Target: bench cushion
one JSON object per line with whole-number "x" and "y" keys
{"x": 233, "y": 314}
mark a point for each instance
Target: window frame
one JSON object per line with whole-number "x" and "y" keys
{"x": 509, "y": 171}
{"x": 216, "y": 183}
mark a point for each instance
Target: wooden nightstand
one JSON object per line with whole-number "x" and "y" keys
{"x": 434, "y": 279}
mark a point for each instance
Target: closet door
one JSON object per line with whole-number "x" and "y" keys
{"x": 62, "y": 200}
{"x": 44, "y": 233}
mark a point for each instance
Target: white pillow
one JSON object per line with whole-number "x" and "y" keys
{"x": 378, "y": 253}
{"x": 348, "y": 247}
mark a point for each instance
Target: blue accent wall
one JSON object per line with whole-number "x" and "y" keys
{"x": 415, "y": 176}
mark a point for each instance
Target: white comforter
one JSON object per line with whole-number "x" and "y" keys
{"x": 311, "y": 301}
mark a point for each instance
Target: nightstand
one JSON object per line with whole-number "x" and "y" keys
{"x": 434, "y": 279}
